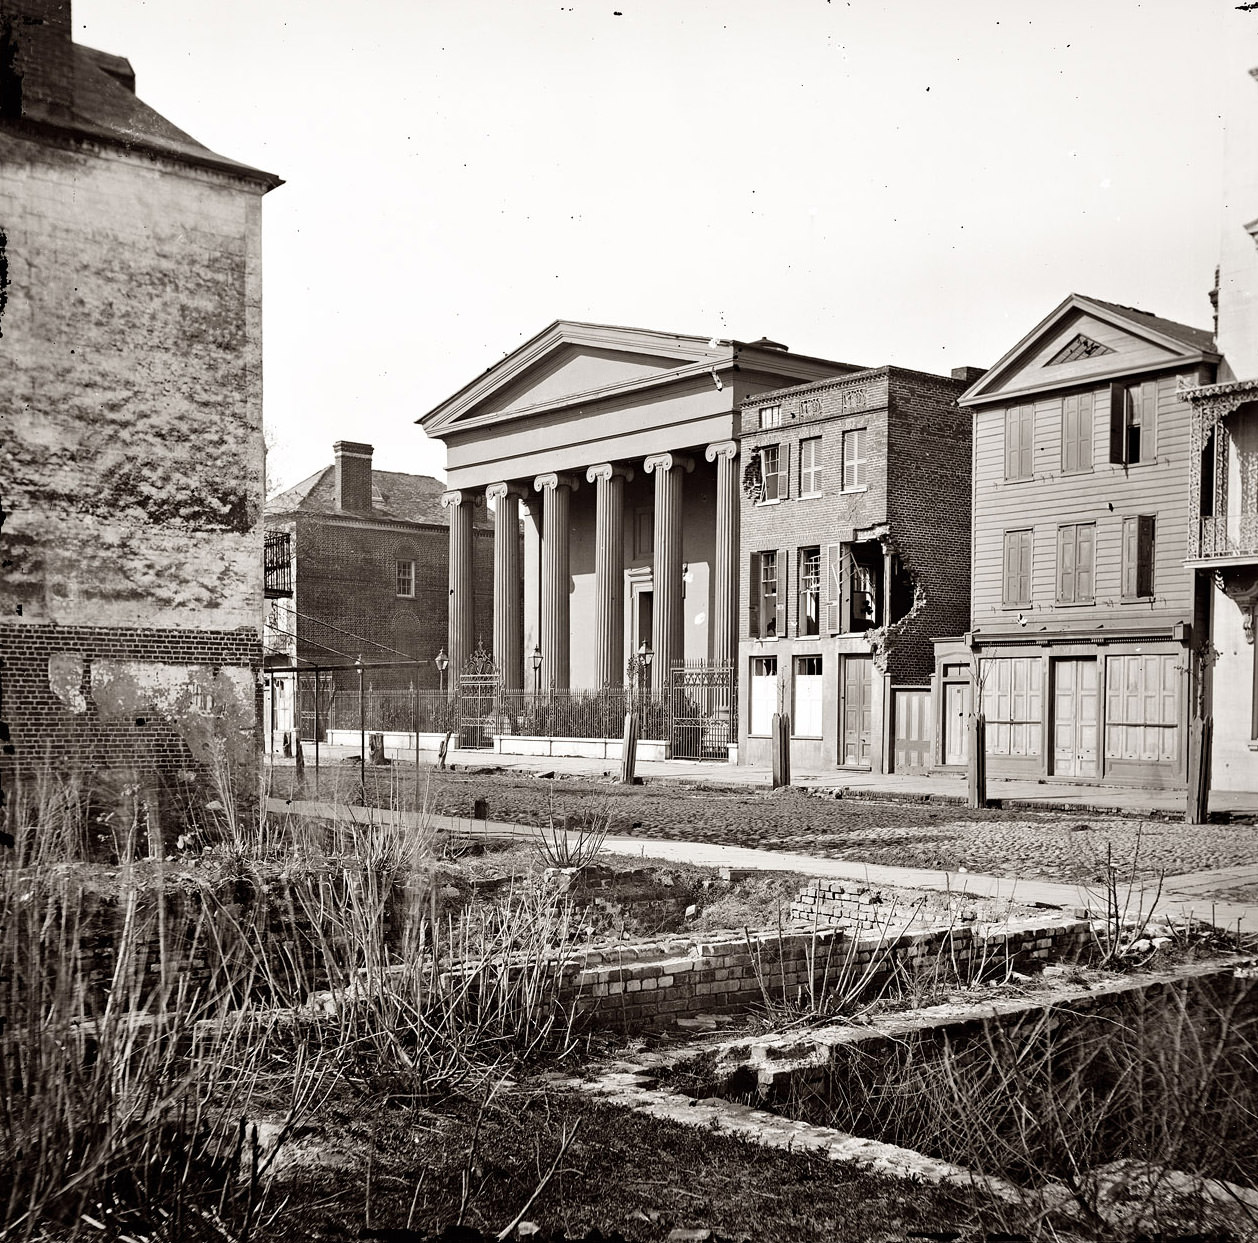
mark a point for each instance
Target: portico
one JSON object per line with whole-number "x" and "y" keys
{"x": 618, "y": 449}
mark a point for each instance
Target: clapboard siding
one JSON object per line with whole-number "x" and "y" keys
{"x": 1105, "y": 495}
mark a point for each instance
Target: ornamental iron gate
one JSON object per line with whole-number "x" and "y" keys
{"x": 703, "y": 710}
{"x": 479, "y": 688}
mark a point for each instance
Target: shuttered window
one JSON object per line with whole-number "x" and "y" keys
{"x": 1076, "y": 432}
{"x": 810, "y": 466}
{"x": 1013, "y": 703}
{"x": 809, "y": 591}
{"x": 1138, "y": 543}
{"x": 1017, "y": 577}
{"x": 1019, "y": 441}
{"x": 1142, "y": 708}
{"x": 1133, "y": 423}
{"x": 854, "y": 474}
{"x": 1076, "y": 546}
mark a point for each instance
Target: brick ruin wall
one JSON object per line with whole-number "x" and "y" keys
{"x": 131, "y": 465}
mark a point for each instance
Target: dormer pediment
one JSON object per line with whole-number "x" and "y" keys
{"x": 1087, "y": 341}
{"x": 568, "y": 363}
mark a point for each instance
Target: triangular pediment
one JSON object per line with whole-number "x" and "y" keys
{"x": 1085, "y": 340}
{"x": 571, "y": 363}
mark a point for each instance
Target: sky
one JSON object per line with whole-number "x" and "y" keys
{"x": 917, "y": 182}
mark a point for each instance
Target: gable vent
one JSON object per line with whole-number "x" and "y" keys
{"x": 1077, "y": 348}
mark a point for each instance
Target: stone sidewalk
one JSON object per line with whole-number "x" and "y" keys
{"x": 939, "y": 788}
{"x": 1187, "y": 895}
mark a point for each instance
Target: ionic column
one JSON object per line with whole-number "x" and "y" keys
{"x": 462, "y": 619}
{"x": 508, "y": 606}
{"x": 609, "y": 572}
{"x": 725, "y": 570}
{"x": 668, "y": 630}
{"x": 556, "y": 634}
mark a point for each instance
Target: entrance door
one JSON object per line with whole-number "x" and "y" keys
{"x": 857, "y": 693}
{"x": 956, "y": 723}
{"x": 1074, "y": 717}
{"x": 912, "y": 728}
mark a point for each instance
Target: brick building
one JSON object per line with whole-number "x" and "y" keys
{"x": 370, "y": 579}
{"x": 855, "y": 527}
{"x": 1085, "y": 624}
{"x": 131, "y": 458}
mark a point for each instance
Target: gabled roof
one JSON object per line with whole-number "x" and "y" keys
{"x": 570, "y": 363}
{"x": 1134, "y": 341}
{"x": 397, "y": 497}
{"x": 104, "y": 106}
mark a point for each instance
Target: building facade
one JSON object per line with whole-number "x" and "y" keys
{"x": 369, "y": 582}
{"x": 131, "y": 464}
{"x": 1223, "y": 501}
{"x": 855, "y": 521}
{"x": 1085, "y": 626}
{"x": 618, "y": 447}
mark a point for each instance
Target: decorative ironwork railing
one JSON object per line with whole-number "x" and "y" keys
{"x": 1228, "y": 535}
{"x": 277, "y": 565}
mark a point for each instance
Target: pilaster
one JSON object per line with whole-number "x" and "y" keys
{"x": 725, "y": 570}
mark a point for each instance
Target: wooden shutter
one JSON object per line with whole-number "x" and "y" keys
{"x": 784, "y": 471}
{"x": 1131, "y": 556}
{"x": 1023, "y": 581}
{"x": 846, "y": 570}
{"x": 832, "y": 587}
{"x": 1086, "y": 401}
{"x": 1148, "y": 420}
{"x": 1011, "y": 443}
{"x": 1070, "y": 433}
{"x": 1117, "y": 423}
{"x": 1026, "y": 446}
{"x": 1066, "y": 564}
{"x": 753, "y": 597}
{"x": 1144, "y": 554}
{"x": 783, "y": 595}
{"x": 1011, "y": 568}
{"x": 1085, "y": 541}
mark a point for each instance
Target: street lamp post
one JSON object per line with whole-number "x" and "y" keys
{"x": 645, "y": 656}
{"x": 536, "y": 660}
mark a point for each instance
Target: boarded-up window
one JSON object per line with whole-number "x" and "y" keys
{"x": 1076, "y": 545}
{"x": 1019, "y": 441}
{"x": 854, "y": 472}
{"x": 1138, "y": 545}
{"x": 1017, "y": 576}
{"x": 1142, "y": 708}
{"x": 807, "y": 714}
{"x": 764, "y": 681}
{"x": 1076, "y": 432}
{"x": 1133, "y": 423}
{"x": 1013, "y": 703}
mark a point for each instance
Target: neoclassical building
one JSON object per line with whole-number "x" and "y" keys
{"x": 617, "y": 447}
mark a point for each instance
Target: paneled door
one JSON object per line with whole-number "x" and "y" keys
{"x": 956, "y": 723}
{"x": 1074, "y": 717}
{"x": 857, "y": 694}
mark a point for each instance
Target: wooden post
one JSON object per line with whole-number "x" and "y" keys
{"x": 978, "y": 761}
{"x": 629, "y": 749}
{"x": 781, "y": 749}
{"x": 1200, "y": 737}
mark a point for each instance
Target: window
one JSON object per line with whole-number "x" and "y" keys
{"x": 643, "y": 533}
{"x": 1142, "y": 708}
{"x": 810, "y": 591}
{"x": 1076, "y": 433}
{"x": 864, "y": 596}
{"x": 773, "y": 470}
{"x": 770, "y": 416}
{"x": 1133, "y": 423}
{"x": 1138, "y": 543}
{"x": 854, "y": 459}
{"x": 1076, "y": 545}
{"x": 767, "y": 618}
{"x": 406, "y": 579}
{"x": 1206, "y": 500}
{"x": 1013, "y": 703}
{"x": 1017, "y": 589}
{"x": 810, "y": 466}
{"x": 764, "y": 697}
{"x": 807, "y": 713}
{"x": 1019, "y": 441}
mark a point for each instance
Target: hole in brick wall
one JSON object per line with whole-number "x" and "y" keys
{"x": 140, "y": 720}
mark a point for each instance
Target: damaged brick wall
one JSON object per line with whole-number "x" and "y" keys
{"x": 131, "y": 460}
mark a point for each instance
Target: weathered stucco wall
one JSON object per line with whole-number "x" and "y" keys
{"x": 130, "y": 391}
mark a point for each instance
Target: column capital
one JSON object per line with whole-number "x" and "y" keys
{"x": 496, "y": 491}
{"x": 555, "y": 480}
{"x": 668, "y": 461}
{"x": 605, "y": 470}
{"x": 722, "y": 448}
{"x": 453, "y": 497}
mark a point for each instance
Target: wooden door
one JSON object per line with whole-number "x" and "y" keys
{"x": 1074, "y": 717}
{"x": 957, "y": 698}
{"x": 913, "y": 734}
{"x": 857, "y": 697}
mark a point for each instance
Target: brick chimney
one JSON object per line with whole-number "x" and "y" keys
{"x": 36, "y": 60}
{"x": 968, "y": 375}
{"x": 353, "y": 476}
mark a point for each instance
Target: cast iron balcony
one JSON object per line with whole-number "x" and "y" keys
{"x": 278, "y": 565}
